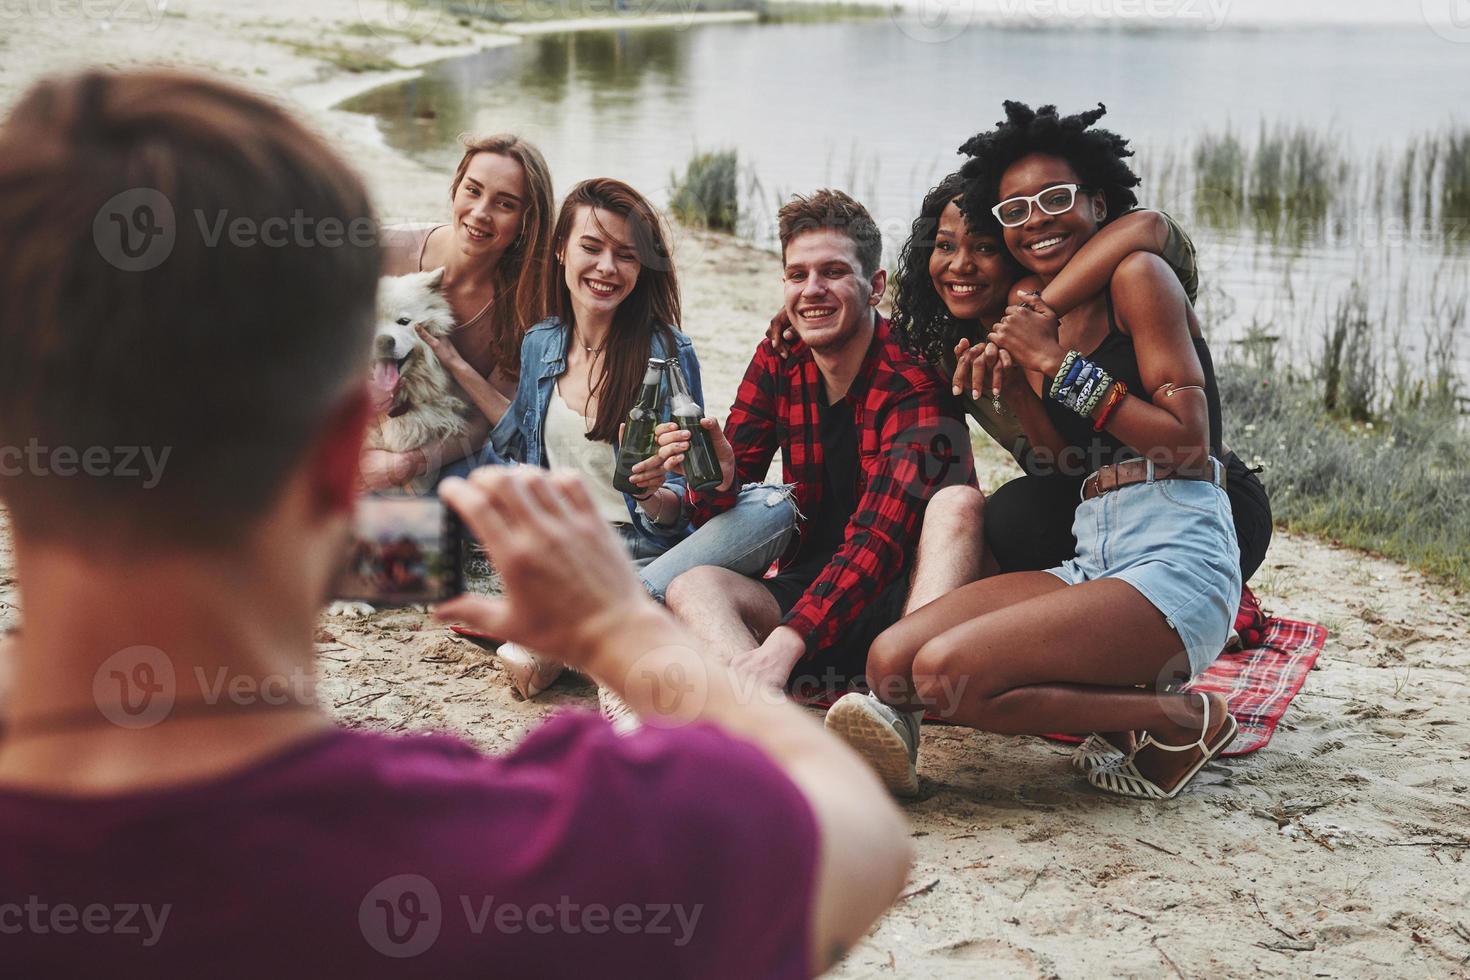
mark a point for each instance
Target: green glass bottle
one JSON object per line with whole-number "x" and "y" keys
{"x": 701, "y": 465}
{"x": 638, "y": 439}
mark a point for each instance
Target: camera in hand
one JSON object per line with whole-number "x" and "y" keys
{"x": 404, "y": 551}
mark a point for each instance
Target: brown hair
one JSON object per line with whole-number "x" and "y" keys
{"x": 834, "y": 210}
{"x": 520, "y": 280}
{"x": 653, "y": 305}
{"x": 188, "y": 271}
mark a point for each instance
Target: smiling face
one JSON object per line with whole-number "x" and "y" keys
{"x": 599, "y": 262}
{"x": 971, "y": 272}
{"x": 489, "y": 205}
{"x": 1045, "y": 242}
{"x": 827, "y": 295}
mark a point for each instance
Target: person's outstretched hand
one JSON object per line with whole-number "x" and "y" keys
{"x": 568, "y": 583}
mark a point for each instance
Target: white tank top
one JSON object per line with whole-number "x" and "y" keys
{"x": 568, "y": 448}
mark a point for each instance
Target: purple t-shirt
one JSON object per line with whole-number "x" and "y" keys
{"x": 669, "y": 853}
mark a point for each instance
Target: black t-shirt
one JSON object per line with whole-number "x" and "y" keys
{"x": 827, "y": 528}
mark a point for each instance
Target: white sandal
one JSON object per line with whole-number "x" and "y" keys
{"x": 1095, "y": 752}
{"x": 1124, "y": 778}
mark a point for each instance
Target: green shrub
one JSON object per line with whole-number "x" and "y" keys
{"x": 1399, "y": 486}
{"x": 708, "y": 194}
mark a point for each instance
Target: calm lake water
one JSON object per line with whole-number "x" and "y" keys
{"x": 866, "y": 106}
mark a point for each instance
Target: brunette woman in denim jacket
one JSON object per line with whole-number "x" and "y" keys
{"x": 614, "y": 300}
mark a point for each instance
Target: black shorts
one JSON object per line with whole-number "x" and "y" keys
{"x": 845, "y": 661}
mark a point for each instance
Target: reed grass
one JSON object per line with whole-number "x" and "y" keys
{"x": 708, "y": 194}
{"x": 1399, "y": 487}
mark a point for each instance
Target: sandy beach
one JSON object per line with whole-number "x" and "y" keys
{"x": 1339, "y": 850}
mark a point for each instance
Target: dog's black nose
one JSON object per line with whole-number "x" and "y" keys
{"x": 383, "y": 345}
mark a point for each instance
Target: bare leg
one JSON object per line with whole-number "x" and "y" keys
{"x": 891, "y": 657}
{"x": 729, "y": 612}
{"x": 950, "y": 545}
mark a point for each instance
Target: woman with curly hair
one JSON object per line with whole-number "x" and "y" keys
{"x": 954, "y": 277}
{"x": 1093, "y": 643}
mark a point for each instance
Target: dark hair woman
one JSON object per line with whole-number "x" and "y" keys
{"x": 613, "y": 298}
{"x": 1091, "y": 644}
{"x": 953, "y": 282}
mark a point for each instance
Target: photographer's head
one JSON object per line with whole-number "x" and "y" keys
{"x": 830, "y": 254}
{"x": 186, "y": 304}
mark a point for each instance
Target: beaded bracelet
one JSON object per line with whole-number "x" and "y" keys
{"x": 1092, "y": 381}
{"x": 1079, "y": 379}
{"x": 1098, "y": 394}
{"x": 1064, "y": 375}
{"x": 1110, "y": 404}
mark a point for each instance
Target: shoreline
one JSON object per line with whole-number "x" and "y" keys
{"x": 1334, "y": 838}
{"x": 329, "y": 94}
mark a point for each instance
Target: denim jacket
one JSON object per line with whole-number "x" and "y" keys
{"x": 519, "y": 435}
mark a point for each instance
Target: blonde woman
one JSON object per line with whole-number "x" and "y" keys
{"x": 493, "y": 252}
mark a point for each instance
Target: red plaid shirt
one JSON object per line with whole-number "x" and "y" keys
{"x": 912, "y": 441}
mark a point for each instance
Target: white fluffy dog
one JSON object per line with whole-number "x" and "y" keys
{"x": 418, "y": 403}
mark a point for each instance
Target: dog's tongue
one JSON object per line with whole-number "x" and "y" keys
{"x": 384, "y": 384}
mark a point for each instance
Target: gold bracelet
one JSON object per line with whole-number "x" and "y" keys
{"x": 1171, "y": 389}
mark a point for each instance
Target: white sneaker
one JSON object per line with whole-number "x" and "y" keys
{"x": 888, "y": 739}
{"x": 616, "y": 711}
{"x": 530, "y": 673}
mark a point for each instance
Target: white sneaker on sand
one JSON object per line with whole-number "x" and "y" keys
{"x": 530, "y": 673}
{"x": 616, "y": 711}
{"x": 888, "y": 739}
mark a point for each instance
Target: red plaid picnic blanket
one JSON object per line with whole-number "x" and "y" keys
{"x": 1259, "y": 680}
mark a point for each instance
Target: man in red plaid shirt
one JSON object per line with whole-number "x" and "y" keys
{"x": 868, "y": 435}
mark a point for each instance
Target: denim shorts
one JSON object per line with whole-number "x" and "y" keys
{"x": 1174, "y": 541}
